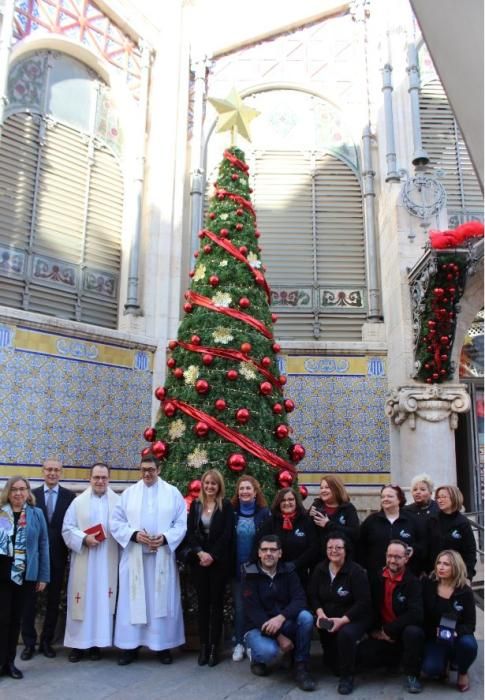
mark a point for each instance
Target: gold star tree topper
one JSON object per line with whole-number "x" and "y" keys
{"x": 234, "y": 115}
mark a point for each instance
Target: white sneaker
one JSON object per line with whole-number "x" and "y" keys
{"x": 238, "y": 653}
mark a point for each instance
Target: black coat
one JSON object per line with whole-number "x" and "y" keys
{"x": 348, "y": 594}
{"x": 407, "y": 604}
{"x": 423, "y": 512}
{"x": 218, "y": 542}
{"x": 452, "y": 532}
{"x": 57, "y": 547}
{"x": 265, "y": 597}
{"x": 461, "y": 607}
{"x": 343, "y": 521}
{"x": 299, "y": 545}
{"x": 376, "y": 532}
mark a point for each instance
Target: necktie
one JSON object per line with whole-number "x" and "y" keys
{"x": 49, "y": 504}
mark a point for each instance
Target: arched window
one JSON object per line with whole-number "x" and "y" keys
{"x": 308, "y": 201}
{"x": 61, "y": 192}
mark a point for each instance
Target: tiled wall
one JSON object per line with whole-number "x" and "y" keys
{"x": 73, "y": 398}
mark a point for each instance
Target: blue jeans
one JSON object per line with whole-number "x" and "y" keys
{"x": 265, "y": 650}
{"x": 237, "y": 600}
{"x": 462, "y": 652}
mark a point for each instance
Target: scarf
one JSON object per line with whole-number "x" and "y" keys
{"x": 247, "y": 509}
{"x": 288, "y": 519}
{"x": 15, "y": 550}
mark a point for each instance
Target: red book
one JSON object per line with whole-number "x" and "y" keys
{"x": 98, "y": 531}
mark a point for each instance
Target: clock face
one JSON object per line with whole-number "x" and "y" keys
{"x": 423, "y": 196}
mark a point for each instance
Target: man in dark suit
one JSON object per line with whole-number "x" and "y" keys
{"x": 54, "y": 500}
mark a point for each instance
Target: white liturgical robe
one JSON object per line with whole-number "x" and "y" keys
{"x": 149, "y": 609}
{"x": 91, "y": 589}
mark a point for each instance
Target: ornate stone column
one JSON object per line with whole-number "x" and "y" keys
{"x": 426, "y": 418}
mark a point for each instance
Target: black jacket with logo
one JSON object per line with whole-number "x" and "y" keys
{"x": 407, "y": 604}
{"x": 377, "y": 531}
{"x": 460, "y": 607}
{"x": 348, "y": 594}
{"x": 452, "y": 531}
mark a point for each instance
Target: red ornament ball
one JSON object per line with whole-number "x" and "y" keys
{"x": 243, "y": 250}
{"x": 172, "y": 344}
{"x": 191, "y": 273}
{"x": 265, "y": 388}
{"x": 195, "y": 340}
{"x": 201, "y": 428}
{"x": 431, "y": 323}
{"x": 207, "y": 249}
{"x": 303, "y": 491}
{"x": 444, "y": 339}
{"x": 444, "y": 357}
{"x": 146, "y": 452}
{"x": 178, "y": 373}
{"x": 213, "y": 280}
{"x": 274, "y": 318}
{"x": 196, "y": 254}
{"x": 246, "y": 348}
{"x": 224, "y": 232}
{"x": 212, "y": 216}
{"x": 435, "y": 375}
{"x": 265, "y": 362}
{"x": 202, "y": 386}
{"x": 207, "y": 359}
{"x": 188, "y": 307}
{"x": 232, "y": 375}
{"x": 171, "y": 362}
{"x": 285, "y": 478}
{"x": 236, "y": 462}
{"x": 239, "y": 227}
{"x": 297, "y": 452}
{"x": 281, "y": 431}
{"x": 257, "y": 234}
{"x": 277, "y": 409}
{"x": 243, "y": 415}
{"x": 282, "y": 380}
{"x": 193, "y": 488}
{"x": 160, "y": 449}
{"x": 239, "y": 212}
{"x": 169, "y": 409}
{"x": 160, "y": 393}
{"x": 235, "y": 177}
{"x": 244, "y": 303}
{"x": 289, "y": 405}
{"x": 149, "y": 434}
{"x": 276, "y": 347}
{"x": 220, "y": 196}
{"x": 259, "y": 279}
{"x": 220, "y": 404}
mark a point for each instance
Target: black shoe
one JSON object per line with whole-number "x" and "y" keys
{"x": 165, "y": 657}
{"x": 213, "y": 659}
{"x": 27, "y": 653}
{"x": 94, "y": 654}
{"x": 10, "y": 669}
{"x": 46, "y": 649}
{"x": 345, "y": 685}
{"x": 75, "y": 655}
{"x": 259, "y": 669}
{"x": 203, "y": 655}
{"x": 302, "y": 677}
{"x": 127, "y": 657}
{"x": 413, "y": 685}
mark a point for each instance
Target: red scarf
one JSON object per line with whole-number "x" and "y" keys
{"x": 288, "y": 520}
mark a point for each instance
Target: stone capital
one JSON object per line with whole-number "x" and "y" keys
{"x": 432, "y": 404}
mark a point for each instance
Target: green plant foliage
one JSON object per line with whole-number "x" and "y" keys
{"x": 230, "y": 219}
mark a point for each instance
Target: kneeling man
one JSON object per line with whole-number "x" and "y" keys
{"x": 276, "y": 618}
{"x": 93, "y": 574}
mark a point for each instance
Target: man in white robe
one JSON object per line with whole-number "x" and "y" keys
{"x": 93, "y": 573}
{"x": 149, "y": 523}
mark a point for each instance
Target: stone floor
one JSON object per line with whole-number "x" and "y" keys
{"x": 147, "y": 679}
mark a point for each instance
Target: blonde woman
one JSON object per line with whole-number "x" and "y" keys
{"x": 422, "y": 487}
{"x": 450, "y": 619}
{"x": 209, "y": 534}
{"x": 24, "y": 563}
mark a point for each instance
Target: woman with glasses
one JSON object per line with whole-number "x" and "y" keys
{"x": 209, "y": 533}
{"x": 339, "y": 595}
{"x": 296, "y": 530}
{"x": 450, "y": 618}
{"x": 450, "y": 529}
{"x": 392, "y": 522}
{"x": 24, "y": 563}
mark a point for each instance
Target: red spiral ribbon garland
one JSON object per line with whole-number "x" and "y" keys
{"x": 230, "y": 355}
{"x": 233, "y": 436}
{"x": 242, "y": 201}
{"x": 232, "y": 250}
{"x": 200, "y": 300}
{"x": 236, "y": 162}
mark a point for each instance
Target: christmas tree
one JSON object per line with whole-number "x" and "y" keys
{"x": 223, "y": 405}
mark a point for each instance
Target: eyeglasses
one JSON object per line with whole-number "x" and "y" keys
{"x": 150, "y": 470}
{"x": 396, "y": 556}
{"x": 269, "y": 550}
{"x": 99, "y": 478}
{"x": 334, "y": 549}
{"x": 20, "y": 489}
